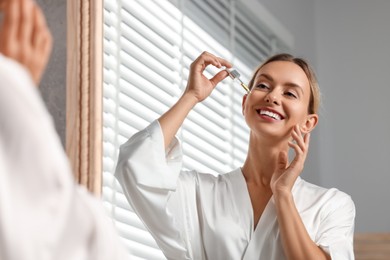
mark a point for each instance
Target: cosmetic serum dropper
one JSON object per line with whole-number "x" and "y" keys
{"x": 233, "y": 73}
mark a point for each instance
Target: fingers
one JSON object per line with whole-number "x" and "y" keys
{"x": 41, "y": 42}
{"x": 299, "y": 140}
{"x": 219, "y": 77}
{"x": 206, "y": 59}
{"x": 25, "y": 37}
{"x": 9, "y": 28}
{"x": 282, "y": 161}
{"x": 286, "y": 175}
{"x": 198, "y": 84}
{"x": 11, "y": 16}
{"x": 39, "y": 23}
{"x": 41, "y": 36}
{"x": 26, "y": 21}
{"x": 300, "y": 144}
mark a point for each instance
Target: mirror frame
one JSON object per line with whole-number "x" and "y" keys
{"x": 84, "y": 81}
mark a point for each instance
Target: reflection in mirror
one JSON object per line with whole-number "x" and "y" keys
{"x": 148, "y": 47}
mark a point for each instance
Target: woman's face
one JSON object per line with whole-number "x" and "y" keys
{"x": 279, "y": 100}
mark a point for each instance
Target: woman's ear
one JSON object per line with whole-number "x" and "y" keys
{"x": 310, "y": 123}
{"x": 243, "y": 103}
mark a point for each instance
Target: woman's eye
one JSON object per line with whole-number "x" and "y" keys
{"x": 291, "y": 94}
{"x": 262, "y": 86}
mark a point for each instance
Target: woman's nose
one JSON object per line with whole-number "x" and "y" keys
{"x": 272, "y": 98}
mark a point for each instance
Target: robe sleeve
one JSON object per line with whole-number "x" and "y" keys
{"x": 335, "y": 234}
{"x": 162, "y": 196}
{"x": 44, "y": 214}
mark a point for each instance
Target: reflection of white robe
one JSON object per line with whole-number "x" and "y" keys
{"x": 200, "y": 216}
{"x": 43, "y": 213}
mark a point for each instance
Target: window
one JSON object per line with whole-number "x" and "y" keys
{"x": 148, "y": 47}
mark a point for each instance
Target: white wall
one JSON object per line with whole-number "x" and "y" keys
{"x": 348, "y": 43}
{"x": 353, "y": 46}
{"x": 53, "y": 87}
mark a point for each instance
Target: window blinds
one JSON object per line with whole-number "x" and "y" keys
{"x": 148, "y": 48}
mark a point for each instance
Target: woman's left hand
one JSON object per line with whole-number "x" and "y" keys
{"x": 25, "y": 36}
{"x": 285, "y": 175}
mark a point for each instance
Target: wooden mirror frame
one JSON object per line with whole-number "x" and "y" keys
{"x": 84, "y": 91}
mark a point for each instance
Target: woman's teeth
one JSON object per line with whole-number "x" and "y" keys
{"x": 270, "y": 114}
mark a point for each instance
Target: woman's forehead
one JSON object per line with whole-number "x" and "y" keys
{"x": 284, "y": 71}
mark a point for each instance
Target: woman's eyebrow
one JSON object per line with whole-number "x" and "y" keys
{"x": 288, "y": 84}
{"x": 268, "y": 77}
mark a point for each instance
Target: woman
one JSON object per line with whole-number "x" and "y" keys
{"x": 262, "y": 210}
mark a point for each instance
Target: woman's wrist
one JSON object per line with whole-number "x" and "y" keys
{"x": 189, "y": 99}
{"x": 283, "y": 195}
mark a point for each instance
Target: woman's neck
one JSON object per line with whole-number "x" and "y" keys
{"x": 261, "y": 160}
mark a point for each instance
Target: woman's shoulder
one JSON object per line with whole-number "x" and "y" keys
{"x": 307, "y": 192}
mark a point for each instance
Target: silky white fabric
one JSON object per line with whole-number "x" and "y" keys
{"x": 199, "y": 216}
{"x": 44, "y": 214}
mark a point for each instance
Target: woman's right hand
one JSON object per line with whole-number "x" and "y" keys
{"x": 199, "y": 86}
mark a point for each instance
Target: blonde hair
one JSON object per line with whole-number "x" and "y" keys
{"x": 315, "y": 95}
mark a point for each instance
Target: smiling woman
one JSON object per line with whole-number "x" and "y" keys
{"x": 273, "y": 212}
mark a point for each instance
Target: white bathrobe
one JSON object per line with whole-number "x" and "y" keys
{"x": 44, "y": 214}
{"x": 199, "y": 216}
